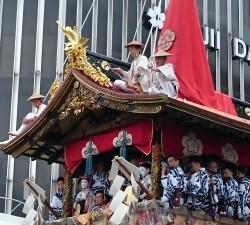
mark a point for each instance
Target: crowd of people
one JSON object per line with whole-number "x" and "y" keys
{"x": 226, "y": 193}
{"x": 198, "y": 188}
{"x": 154, "y": 77}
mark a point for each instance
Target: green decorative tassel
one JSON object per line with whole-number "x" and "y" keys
{"x": 89, "y": 160}
{"x": 123, "y": 150}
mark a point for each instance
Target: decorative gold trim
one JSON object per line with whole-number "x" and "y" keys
{"x": 115, "y": 105}
{"x": 156, "y": 170}
{"x": 78, "y": 100}
{"x": 55, "y": 86}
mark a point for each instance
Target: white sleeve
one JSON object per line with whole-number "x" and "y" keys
{"x": 42, "y": 107}
{"x": 168, "y": 71}
{"x": 56, "y": 202}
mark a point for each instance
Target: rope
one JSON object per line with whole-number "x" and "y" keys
{"x": 150, "y": 34}
{"x": 138, "y": 24}
{"x": 91, "y": 7}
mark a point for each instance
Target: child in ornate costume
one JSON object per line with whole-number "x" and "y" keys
{"x": 145, "y": 173}
{"x": 84, "y": 199}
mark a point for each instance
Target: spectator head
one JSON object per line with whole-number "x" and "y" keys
{"x": 212, "y": 166}
{"x": 145, "y": 168}
{"x": 99, "y": 197}
{"x": 173, "y": 161}
{"x": 240, "y": 172}
{"x": 195, "y": 163}
{"x": 83, "y": 182}
{"x": 227, "y": 172}
{"x": 134, "y": 157}
{"x": 100, "y": 165}
{"x": 60, "y": 183}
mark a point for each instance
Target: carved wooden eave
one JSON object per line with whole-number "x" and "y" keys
{"x": 81, "y": 108}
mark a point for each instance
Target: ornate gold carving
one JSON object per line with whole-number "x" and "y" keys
{"x": 78, "y": 100}
{"x": 156, "y": 170}
{"x": 68, "y": 187}
{"x": 77, "y": 59}
{"x": 55, "y": 86}
{"x": 247, "y": 111}
{"x": 115, "y": 105}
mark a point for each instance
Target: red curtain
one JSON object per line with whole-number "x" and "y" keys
{"x": 186, "y": 141}
{"x": 139, "y": 134}
{"x": 189, "y": 57}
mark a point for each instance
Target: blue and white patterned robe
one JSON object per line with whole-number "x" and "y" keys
{"x": 101, "y": 182}
{"x": 197, "y": 190}
{"x": 215, "y": 189}
{"x": 174, "y": 180}
{"x": 57, "y": 204}
{"x": 229, "y": 198}
{"x": 244, "y": 199}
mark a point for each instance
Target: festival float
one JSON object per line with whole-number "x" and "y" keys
{"x": 86, "y": 117}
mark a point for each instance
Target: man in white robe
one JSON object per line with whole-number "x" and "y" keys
{"x": 136, "y": 79}
{"x": 162, "y": 78}
{"x": 37, "y": 102}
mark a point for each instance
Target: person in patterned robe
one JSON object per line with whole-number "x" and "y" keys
{"x": 84, "y": 199}
{"x": 197, "y": 186}
{"x": 57, "y": 200}
{"x": 243, "y": 193}
{"x": 215, "y": 187}
{"x": 173, "y": 182}
{"x": 100, "y": 178}
{"x": 99, "y": 201}
{"x": 228, "y": 203}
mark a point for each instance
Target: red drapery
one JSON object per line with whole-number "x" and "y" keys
{"x": 189, "y": 57}
{"x": 139, "y": 134}
{"x": 186, "y": 141}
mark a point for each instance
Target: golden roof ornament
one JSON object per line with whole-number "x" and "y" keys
{"x": 76, "y": 50}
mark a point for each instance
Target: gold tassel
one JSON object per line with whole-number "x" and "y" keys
{"x": 156, "y": 170}
{"x": 68, "y": 187}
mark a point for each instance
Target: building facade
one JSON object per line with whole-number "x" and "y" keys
{"x": 32, "y": 56}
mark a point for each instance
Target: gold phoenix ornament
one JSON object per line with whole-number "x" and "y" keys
{"x": 76, "y": 49}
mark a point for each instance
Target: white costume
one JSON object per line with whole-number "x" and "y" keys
{"x": 24, "y": 126}
{"x": 140, "y": 64}
{"x": 164, "y": 82}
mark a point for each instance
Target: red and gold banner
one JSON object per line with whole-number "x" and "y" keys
{"x": 139, "y": 134}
